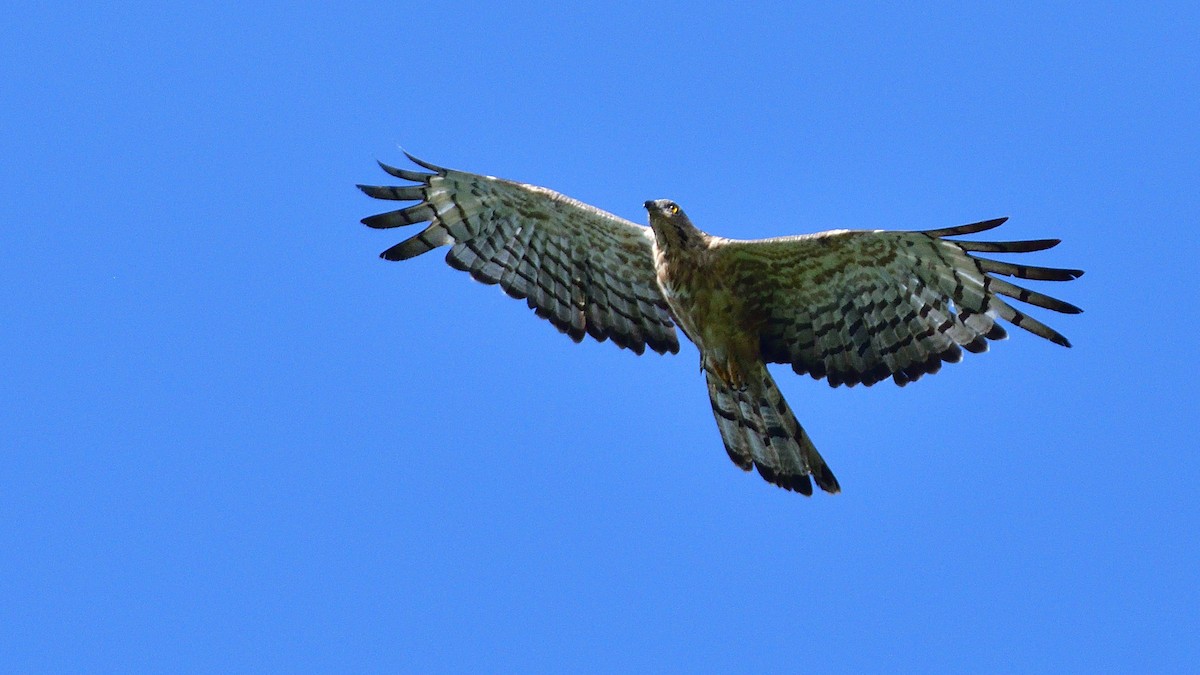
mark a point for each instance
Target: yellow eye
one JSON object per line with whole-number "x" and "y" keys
{"x": 673, "y": 208}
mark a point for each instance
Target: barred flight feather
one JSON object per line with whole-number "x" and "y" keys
{"x": 537, "y": 245}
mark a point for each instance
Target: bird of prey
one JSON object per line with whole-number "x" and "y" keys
{"x": 850, "y": 306}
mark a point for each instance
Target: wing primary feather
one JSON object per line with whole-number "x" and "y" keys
{"x": 1027, "y": 271}
{"x": 1033, "y": 297}
{"x": 418, "y": 213}
{"x": 441, "y": 171}
{"x": 1021, "y": 320}
{"x": 426, "y": 240}
{"x": 981, "y": 226}
{"x": 394, "y": 192}
{"x": 415, "y": 176}
{"x": 1007, "y": 246}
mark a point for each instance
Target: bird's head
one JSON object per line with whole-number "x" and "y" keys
{"x": 672, "y": 228}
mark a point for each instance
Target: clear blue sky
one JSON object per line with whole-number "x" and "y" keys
{"x": 235, "y": 439}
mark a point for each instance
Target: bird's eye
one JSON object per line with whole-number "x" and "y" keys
{"x": 673, "y": 208}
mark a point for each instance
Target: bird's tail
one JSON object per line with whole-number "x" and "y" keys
{"x": 760, "y": 430}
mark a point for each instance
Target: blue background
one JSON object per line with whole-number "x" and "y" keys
{"x": 235, "y": 439}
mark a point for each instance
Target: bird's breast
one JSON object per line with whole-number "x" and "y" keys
{"x": 703, "y": 304}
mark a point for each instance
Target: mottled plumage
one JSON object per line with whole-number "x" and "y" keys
{"x": 848, "y": 306}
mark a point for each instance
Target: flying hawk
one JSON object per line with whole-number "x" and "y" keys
{"x": 850, "y": 306}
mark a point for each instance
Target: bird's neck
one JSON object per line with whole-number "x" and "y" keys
{"x": 676, "y": 237}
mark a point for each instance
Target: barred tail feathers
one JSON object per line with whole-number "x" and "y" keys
{"x": 760, "y": 431}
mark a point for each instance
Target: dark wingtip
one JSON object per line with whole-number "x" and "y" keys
{"x": 970, "y": 228}
{"x": 1008, "y": 246}
{"x": 803, "y": 485}
{"x": 799, "y": 483}
{"x": 405, "y": 174}
{"x": 826, "y": 480}
{"x": 422, "y": 163}
{"x": 1068, "y": 308}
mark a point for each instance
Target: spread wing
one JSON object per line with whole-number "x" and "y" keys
{"x": 587, "y": 271}
{"x": 860, "y": 306}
